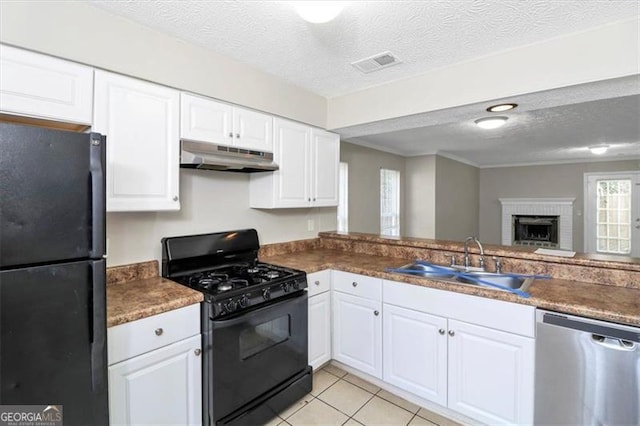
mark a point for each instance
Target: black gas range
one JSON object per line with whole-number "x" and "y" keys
{"x": 253, "y": 322}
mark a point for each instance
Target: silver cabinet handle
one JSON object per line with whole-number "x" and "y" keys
{"x": 355, "y": 284}
{"x": 441, "y": 331}
{"x": 197, "y": 352}
{"x": 175, "y": 198}
{"x": 376, "y": 313}
{"x": 309, "y": 199}
{"x": 230, "y": 134}
{"x": 452, "y": 333}
{"x": 317, "y": 283}
{"x": 238, "y": 135}
{"x": 314, "y": 199}
{"x": 159, "y": 331}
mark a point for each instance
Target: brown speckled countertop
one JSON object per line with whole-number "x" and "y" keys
{"x": 610, "y": 303}
{"x": 136, "y": 291}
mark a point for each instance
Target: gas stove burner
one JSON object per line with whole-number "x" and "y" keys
{"x": 253, "y": 270}
{"x": 272, "y": 274}
{"x": 207, "y": 282}
{"x": 225, "y": 287}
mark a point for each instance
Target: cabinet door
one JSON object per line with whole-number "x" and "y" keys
{"x": 205, "y": 120}
{"x": 325, "y": 152}
{"x": 319, "y": 329}
{"x": 415, "y": 352}
{"x": 41, "y": 86}
{"x": 160, "y": 387}
{"x": 292, "y": 154}
{"x": 141, "y": 122}
{"x": 357, "y": 333}
{"x": 253, "y": 130}
{"x": 491, "y": 374}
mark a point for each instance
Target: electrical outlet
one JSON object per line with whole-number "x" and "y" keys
{"x": 310, "y": 225}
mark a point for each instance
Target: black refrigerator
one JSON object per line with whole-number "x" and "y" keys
{"x": 53, "y": 348}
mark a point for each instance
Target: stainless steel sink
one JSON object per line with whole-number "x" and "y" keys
{"x": 499, "y": 279}
{"x": 459, "y": 275}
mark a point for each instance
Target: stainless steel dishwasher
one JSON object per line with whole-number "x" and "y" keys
{"x": 587, "y": 371}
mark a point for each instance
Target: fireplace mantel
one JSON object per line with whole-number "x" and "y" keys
{"x": 562, "y": 207}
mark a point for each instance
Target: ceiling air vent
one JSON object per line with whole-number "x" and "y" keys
{"x": 376, "y": 62}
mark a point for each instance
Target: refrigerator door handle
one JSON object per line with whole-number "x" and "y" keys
{"x": 98, "y": 197}
{"x": 98, "y": 325}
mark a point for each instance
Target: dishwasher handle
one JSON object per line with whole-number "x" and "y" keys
{"x": 596, "y": 328}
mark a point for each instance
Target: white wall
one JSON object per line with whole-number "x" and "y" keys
{"x": 457, "y": 193}
{"x": 211, "y": 202}
{"x": 420, "y": 197}
{"x": 602, "y": 53}
{"x": 80, "y": 32}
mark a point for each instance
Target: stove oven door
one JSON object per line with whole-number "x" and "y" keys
{"x": 254, "y": 352}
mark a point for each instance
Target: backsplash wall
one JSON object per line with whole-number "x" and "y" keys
{"x": 210, "y": 202}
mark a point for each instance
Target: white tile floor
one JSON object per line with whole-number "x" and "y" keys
{"x": 338, "y": 398}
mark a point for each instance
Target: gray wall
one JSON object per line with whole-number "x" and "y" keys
{"x": 364, "y": 185}
{"x": 562, "y": 180}
{"x": 420, "y": 201}
{"x": 457, "y": 193}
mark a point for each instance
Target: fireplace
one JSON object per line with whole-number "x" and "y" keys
{"x": 538, "y": 222}
{"x": 535, "y": 231}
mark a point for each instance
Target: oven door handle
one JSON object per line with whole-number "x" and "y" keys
{"x": 219, "y": 323}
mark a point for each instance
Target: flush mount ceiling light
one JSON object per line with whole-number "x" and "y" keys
{"x": 501, "y": 107}
{"x": 491, "y": 122}
{"x": 318, "y": 12}
{"x": 599, "y": 149}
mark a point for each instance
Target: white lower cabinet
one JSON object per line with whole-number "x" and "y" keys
{"x": 159, "y": 387}
{"x": 415, "y": 352}
{"x": 155, "y": 370}
{"x": 357, "y": 333}
{"x": 475, "y": 369}
{"x": 319, "y": 284}
{"x": 490, "y": 374}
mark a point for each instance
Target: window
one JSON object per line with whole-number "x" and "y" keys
{"x": 389, "y": 202}
{"x": 613, "y": 216}
{"x": 343, "y": 198}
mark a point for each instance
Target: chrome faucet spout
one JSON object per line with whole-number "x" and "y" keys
{"x": 467, "y": 259}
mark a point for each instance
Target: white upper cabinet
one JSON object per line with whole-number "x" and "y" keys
{"x": 141, "y": 122}
{"x": 206, "y": 120}
{"x": 308, "y": 161}
{"x": 40, "y": 86}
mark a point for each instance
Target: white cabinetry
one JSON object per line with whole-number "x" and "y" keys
{"x": 155, "y": 370}
{"x": 206, "y": 120}
{"x": 141, "y": 122}
{"x": 319, "y": 318}
{"x": 357, "y": 322}
{"x": 308, "y": 161}
{"x": 472, "y": 354}
{"x": 40, "y": 86}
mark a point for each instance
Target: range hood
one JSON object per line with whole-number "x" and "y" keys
{"x": 209, "y": 156}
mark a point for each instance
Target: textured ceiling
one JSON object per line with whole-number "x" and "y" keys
{"x": 554, "y": 126}
{"x": 424, "y": 35}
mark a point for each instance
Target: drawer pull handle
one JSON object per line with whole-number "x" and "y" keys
{"x": 159, "y": 331}
{"x": 452, "y": 333}
{"x": 441, "y": 331}
{"x": 317, "y": 283}
{"x": 376, "y": 313}
{"x": 355, "y": 284}
{"x": 197, "y": 352}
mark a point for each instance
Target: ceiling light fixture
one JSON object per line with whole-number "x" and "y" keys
{"x": 501, "y": 107}
{"x": 599, "y": 149}
{"x": 491, "y": 122}
{"x": 318, "y": 12}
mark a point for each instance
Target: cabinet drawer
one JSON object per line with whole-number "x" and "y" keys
{"x": 358, "y": 285}
{"x": 137, "y": 337}
{"x": 319, "y": 282}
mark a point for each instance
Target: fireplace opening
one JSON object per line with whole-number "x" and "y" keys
{"x": 537, "y": 231}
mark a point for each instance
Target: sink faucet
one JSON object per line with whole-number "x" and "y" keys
{"x": 467, "y": 260}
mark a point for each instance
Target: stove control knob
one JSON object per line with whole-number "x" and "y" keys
{"x": 243, "y": 302}
{"x": 296, "y": 285}
{"x": 285, "y": 287}
{"x": 266, "y": 294}
{"x": 232, "y": 305}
